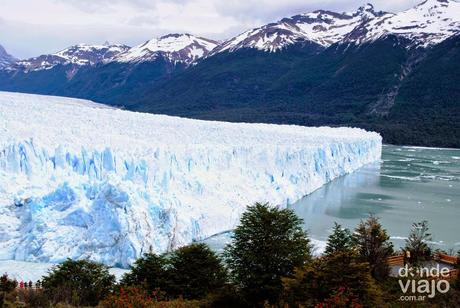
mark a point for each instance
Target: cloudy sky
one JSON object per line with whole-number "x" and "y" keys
{"x": 32, "y": 27}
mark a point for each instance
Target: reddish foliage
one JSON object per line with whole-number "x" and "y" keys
{"x": 342, "y": 298}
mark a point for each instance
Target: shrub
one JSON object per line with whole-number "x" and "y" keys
{"x": 80, "y": 283}
{"x": 340, "y": 277}
{"x": 7, "y": 290}
{"x": 34, "y": 298}
{"x": 140, "y": 298}
{"x": 6, "y": 284}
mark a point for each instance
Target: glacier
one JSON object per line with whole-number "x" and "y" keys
{"x": 82, "y": 180}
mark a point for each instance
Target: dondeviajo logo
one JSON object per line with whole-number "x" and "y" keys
{"x": 417, "y": 283}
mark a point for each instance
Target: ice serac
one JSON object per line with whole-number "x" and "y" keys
{"x": 81, "y": 180}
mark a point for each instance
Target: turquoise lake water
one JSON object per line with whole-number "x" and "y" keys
{"x": 410, "y": 184}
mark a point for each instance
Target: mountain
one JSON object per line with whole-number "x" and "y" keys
{"x": 426, "y": 24}
{"x": 78, "y": 55}
{"x": 320, "y": 27}
{"x": 362, "y": 78}
{"x": 367, "y": 68}
{"x": 177, "y": 48}
{"x": 5, "y": 58}
{"x": 106, "y": 73}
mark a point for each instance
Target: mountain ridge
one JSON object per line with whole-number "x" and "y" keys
{"x": 5, "y": 58}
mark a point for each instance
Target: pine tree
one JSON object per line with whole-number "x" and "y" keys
{"x": 374, "y": 246}
{"x": 267, "y": 245}
{"x": 340, "y": 240}
{"x": 416, "y": 243}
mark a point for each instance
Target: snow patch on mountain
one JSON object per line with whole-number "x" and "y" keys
{"x": 184, "y": 48}
{"x": 80, "y": 55}
{"x": 81, "y": 181}
{"x": 426, "y": 24}
{"x": 321, "y": 27}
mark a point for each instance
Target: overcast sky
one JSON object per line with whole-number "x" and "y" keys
{"x": 32, "y": 27}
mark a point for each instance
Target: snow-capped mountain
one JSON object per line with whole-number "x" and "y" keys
{"x": 5, "y": 58}
{"x": 176, "y": 48}
{"x": 320, "y": 27}
{"x": 428, "y": 23}
{"x": 81, "y": 54}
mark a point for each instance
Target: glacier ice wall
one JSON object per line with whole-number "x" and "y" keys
{"x": 84, "y": 181}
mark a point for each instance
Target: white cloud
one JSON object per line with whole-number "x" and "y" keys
{"x": 32, "y": 27}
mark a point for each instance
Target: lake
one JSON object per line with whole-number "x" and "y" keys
{"x": 410, "y": 184}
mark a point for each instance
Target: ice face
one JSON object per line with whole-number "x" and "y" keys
{"x": 83, "y": 181}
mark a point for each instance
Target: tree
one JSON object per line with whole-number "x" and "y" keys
{"x": 267, "y": 245}
{"x": 191, "y": 272}
{"x": 374, "y": 246}
{"x": 340, "y": 240}
{"x": 148, "y": 272}
{"x": 6, "y": 284}
{"x": 416, "y": 243}
{"x": 195, "y": 271}
{"x": 80, "y": 283}
{"x": 330, "y": 280}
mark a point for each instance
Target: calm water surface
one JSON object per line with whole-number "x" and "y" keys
{"x": 410, "y": 184}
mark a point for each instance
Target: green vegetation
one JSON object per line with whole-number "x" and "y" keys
{"x": 416, "y": 243}
{"x": 267, "y": 264}
{"x": 149, "y": 271}
{"x": 267, "y": 245}
{"x": 341, "y": 240}
{"x": 195, "y": 271}
{"x": 341, "y": 274}
{"x": 80, "y": 283}
{"x": 7, "y": 287}
{"x": 374, "y": 246}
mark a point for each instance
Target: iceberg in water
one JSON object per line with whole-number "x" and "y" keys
{"x": 82, "y": 180}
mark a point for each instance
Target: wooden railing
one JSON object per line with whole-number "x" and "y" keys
{"x": 396, "y": 260}
{"x": 440, "y": 257}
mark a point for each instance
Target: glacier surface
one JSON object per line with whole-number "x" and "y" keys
{"x": 81, "y": 180}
